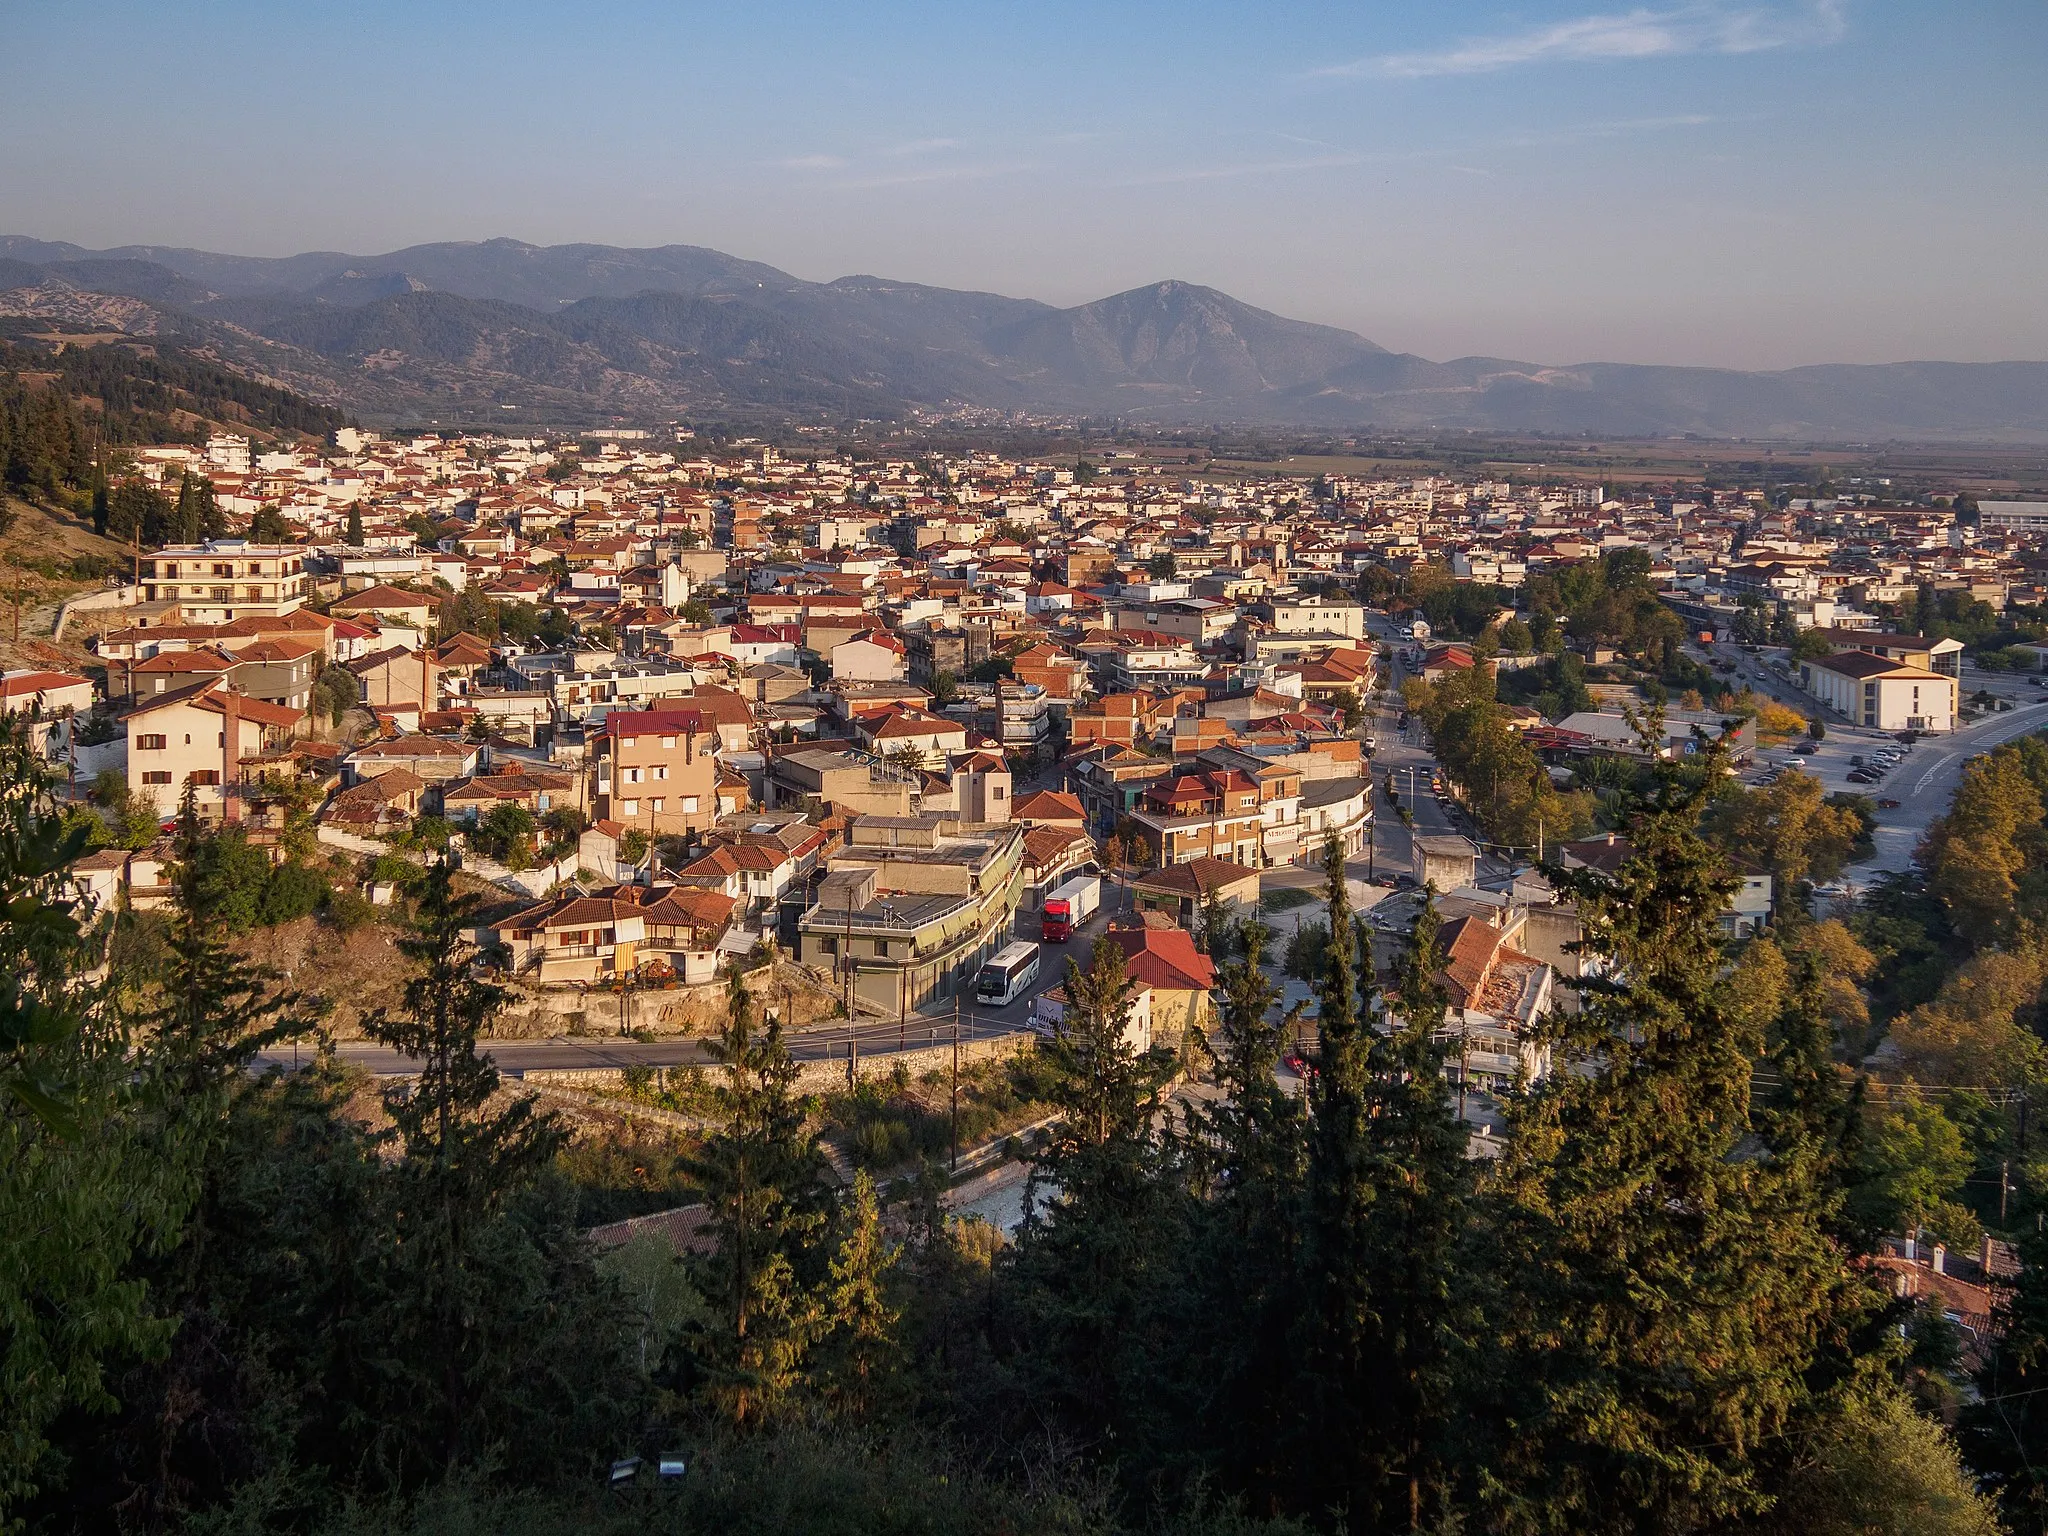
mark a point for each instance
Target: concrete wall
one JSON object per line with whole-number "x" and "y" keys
{"x": 95, "y": 602}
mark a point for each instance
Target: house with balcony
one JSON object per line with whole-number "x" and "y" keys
{"x": 226, "y": 579}
{"x": 1497, "y": 996}
{"x": 575, "y": 938}
{"x": 201, "y": 734}
{"x": 1208, "y": 813}
{"x": 656, "y": 770}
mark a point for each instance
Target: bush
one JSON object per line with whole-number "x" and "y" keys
{"x": 349, "y": 910}
{"x": 292, "y": 892}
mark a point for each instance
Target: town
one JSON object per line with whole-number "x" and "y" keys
{"x": 907, "y": 749}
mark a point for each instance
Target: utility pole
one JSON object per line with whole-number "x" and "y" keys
{"x": 2004, "y": 1184}
{"x": 956, "y": 1082}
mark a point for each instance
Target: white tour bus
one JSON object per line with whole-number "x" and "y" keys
{"x": 1006, "y": 974}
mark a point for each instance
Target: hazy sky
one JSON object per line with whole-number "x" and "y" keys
{"x": 1753, "y": 185}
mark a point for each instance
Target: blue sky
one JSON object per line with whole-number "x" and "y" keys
{"x": 1750, "y": 185}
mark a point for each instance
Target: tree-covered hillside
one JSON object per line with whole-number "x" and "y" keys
{"x": 62, "y": 407}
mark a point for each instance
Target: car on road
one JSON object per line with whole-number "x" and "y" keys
{"x": 1806, "y": 748}
{"x": 1887, "y": 804}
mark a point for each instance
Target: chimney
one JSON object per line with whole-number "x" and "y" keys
{"x": 1940, "y": 1259}
{"x": 1984, "y": 1258}
{"x": 1912, "y": 1253}
{"x": 230, "y": 750}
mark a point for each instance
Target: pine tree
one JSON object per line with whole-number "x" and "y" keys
{"x": 760, "y": 1176}
{"x": 354, "y": 537}
{"x": 860, "y": 1319}
{"x": 1336, "y": 1286}
{"x": 464, "y": 1157}
{"x": 1667, "y": 1280}
{"x": 1414, "y": 1240}
{"x": 1102, "y": 1220}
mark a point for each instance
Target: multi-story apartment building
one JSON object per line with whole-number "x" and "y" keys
{"x": 656, "y": 770}
{"x": 912, "y": 906}
{"x": 1210, "y": 813}
{"x": 226, "y": 579}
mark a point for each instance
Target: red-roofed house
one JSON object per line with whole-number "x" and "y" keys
{"x": 656, "y": 770}
{"x": 1180, "y": 976}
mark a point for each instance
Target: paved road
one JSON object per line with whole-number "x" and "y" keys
{"x": 923, "y": 1029}
{"x": 1926, "y": 781}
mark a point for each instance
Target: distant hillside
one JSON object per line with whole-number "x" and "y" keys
{"x": 63, "y": 401}
{"x": 506, "y": 332}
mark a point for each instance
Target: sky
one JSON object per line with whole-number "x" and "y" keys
{"x": 1741, "y": 185}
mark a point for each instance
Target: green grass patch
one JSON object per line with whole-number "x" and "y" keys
{"x": 1287, "y": 899}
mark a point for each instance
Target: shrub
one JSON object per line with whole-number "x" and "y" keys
{"x": 292, "y": 891}
{"x": 349, "y": 910}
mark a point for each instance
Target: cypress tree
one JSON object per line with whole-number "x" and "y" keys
{"x": 354, "y": 536}
{"x": 1094, "y": 1276}
{"x": 463, "y": 1159}
{"x": 859, "y": 1316}
{"x": 1667, "y": 1281}
{"x": 1414, "y": 1239}
{"x": 1336, "y": 1283}
{"x": 760, "y": 1176}
{"x": 1246, "y": 1248}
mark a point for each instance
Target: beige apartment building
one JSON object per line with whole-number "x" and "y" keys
{"x": 656, "y": 770}
{"x": 226, "y": 579}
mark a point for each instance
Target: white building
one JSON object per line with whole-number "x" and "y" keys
{"x": 1887, "y": 695}
{"x": 226, "y": 579}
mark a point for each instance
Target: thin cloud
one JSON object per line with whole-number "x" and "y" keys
{"x": 936, "y": 173}
{"x": 1264, "y": 168}
{"x": 814, "y": 163}
{"x": 1637, "y": 34}
{"x": 1615, "y": 128}
{"x": 922, "y": 147}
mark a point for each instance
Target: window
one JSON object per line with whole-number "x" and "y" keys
{"x": 668, "y": 741}
{"x": 629, "y": 741}
{"x": 150, "y": 743}
{"x": 205, "y": 776}
{"x": 661, "y": 770}
{"x": 629, "y": 807}
{"x": 689, "y": 804}
{"x": 632, "y": 775}
{"x": 160, "y": 776}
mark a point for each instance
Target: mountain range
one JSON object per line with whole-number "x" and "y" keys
{"x": 504, "y": 331}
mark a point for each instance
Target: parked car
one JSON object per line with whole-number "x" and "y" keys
{"x": 1864, "y": 776}
{"x": 1856, "y": 761}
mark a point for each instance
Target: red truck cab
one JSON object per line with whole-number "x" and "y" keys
{"x": 1056, "y": 921}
